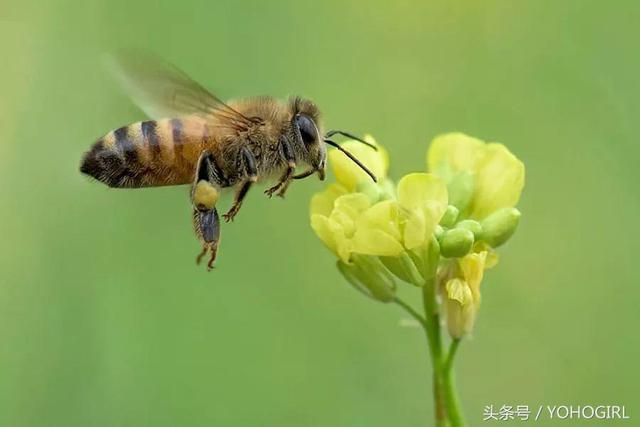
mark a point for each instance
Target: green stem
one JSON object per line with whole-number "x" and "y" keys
{"x": 447, "y": 404}
{"x": 451, "y": 396}
{"x": 432, "y": 329}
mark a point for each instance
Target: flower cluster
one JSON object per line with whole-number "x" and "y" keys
{"x": 438, "y": 228}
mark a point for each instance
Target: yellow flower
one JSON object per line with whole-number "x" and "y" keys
{"x": 462, "y": 293}
{"x": 481, "y": 177}
{"x": 347, "y": 223}
{"x": 423, "y": 198}
{"x": 348, "y": 174}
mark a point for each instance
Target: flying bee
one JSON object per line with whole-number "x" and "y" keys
{"x": 195, "y": 138}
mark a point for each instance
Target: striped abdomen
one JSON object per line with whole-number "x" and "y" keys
{"x": 148, "y": 154}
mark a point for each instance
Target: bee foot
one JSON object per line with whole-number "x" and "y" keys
{"x": 212, "y": 259}
{"x": 269, "y": 192}
{"x": 229, "y": 216}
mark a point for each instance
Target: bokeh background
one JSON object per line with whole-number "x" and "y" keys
{"x": 106, "y": 321}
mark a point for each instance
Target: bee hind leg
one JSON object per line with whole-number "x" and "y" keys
{"x": 207, "y": 228}
{"x": 201, "y": 254}
{"x": 214, "y": 252}
{"x": 208, "y": 248}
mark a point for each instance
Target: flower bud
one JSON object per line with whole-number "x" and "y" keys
{"x": 472, "y": 226}
{"x": 450, "y": 216}
{"x": 456, "y": 242}
{"x": 368, "y": 275}
{"x": 499, "y": 226}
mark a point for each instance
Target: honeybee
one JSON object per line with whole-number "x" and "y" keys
{"x": 195, "y": 138}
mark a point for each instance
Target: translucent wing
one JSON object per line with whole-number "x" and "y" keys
{"x": 162, "y": 90}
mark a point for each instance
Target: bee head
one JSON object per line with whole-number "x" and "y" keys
{"x": 311, "y": 145}
{"x": 307, "y": 135}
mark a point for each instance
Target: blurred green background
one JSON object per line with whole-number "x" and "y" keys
{"x": 106, "y": 321}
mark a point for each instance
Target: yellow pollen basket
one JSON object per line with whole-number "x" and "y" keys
{"x": 205, "y": 195}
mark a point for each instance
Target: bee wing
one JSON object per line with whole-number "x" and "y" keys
{"x": 162, "y": 90}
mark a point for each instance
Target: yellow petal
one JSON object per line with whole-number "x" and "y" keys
{"x": 348, "y": 173}
{"x": 415, "y": 228}
{"x": 424, "y": 199}
{"x": 460, "y": 309}
{"x": 454, "y": 152}
{"x": 382, "y": 216}
{"x": 422, "y": 190}
{"x": 347, "y": 209}
{"x": 458, "y": 290}
{"x": 332, "y": 235}
{"x": 492, "y": 257}
{"x": 498, "y": 182}
{"x": 370, "y": 241}
{"x": 472, "y": 266}
{"x": 322, "y": 203}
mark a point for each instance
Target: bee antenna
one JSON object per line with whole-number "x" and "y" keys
{"x": 352, "y": 157}
{"x": 349, "y": 135}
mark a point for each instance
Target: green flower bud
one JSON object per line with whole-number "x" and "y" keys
{"x": 368, "y": 275}
{"x": 371, "y": 190}
{"x": 450, "y": 216}
{"x": 438, "y": 231}
{"x": 456, "y": 242}
{"x": 498, "y": 227}
{"x": 460, "y": 189}
{"x": 472, "y": 226}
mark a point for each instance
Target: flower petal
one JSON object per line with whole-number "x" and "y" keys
{"x": 454, "y": 152}
{"x": 458, "y": 290}
{"x": 472, "y": 266}
{"x": 415, "y": 229}
{"x": 371, "y": 241}
{"x": 348, "y": 173}
{"x": 332, "y": 235}
{"x": 422, "y": 190}
{"x": 459, "y": 307}
{"x": 424, "y": 199}
{"x": 499, "y": 181}
{"x": 322, "y": 203}
{"x": 347, "y": 209}
{"x": 382, "y": 216}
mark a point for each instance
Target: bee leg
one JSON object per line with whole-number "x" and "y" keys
{"x": 251, "y": 177}
{"x": 206, "y": 224}
{"x": 304, "y": 174}
{"x": 283, "y": 183}
{"x": 214, "y": 251}
{"x": 201, "y": 254}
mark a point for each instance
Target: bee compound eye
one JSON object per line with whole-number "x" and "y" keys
{"x": 307, "y": 128}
